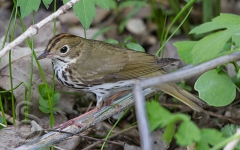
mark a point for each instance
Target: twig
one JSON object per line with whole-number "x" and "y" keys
{"x": 9, "y": 118}
{"x": 143, "y": 126}
{"x": 83, "y": 123}
{"x": 112, "y": 136}
{"x": 190, "y": 72}
{"x": 83, "y": 136}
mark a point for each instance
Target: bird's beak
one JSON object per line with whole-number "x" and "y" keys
{"x": 43, "y": 55}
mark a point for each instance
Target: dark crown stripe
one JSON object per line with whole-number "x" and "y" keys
{"x": 56, "y": 39}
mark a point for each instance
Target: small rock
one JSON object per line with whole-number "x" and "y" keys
{"x": 136, "y": 26}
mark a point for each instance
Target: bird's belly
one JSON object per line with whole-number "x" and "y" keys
{"x": 106, "y": 90}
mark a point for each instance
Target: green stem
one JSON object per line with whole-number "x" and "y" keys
{"x": 10, "y": 67}
{"x": 236, "y": 66}
{"x": 161, "y": 48}
{"x": 109, "y": 133}
{"x": 224, "y": 142}
{"x": 37, "y": 62}
{"x": 2, "y": 110}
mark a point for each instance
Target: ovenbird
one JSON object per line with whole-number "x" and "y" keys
{"x": 104, "y": 69}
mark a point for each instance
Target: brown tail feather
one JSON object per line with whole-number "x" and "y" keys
{"x": 187, "y": 98}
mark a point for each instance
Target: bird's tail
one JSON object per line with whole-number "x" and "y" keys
{"x": 187, "y": 98}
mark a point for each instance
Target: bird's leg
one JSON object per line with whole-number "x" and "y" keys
{"x": 98, "y": 107}
{"x": 110, "y": 99}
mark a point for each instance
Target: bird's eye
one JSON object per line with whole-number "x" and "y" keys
{"x": 64, "y": 49}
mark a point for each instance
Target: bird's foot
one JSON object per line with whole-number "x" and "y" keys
{"x": 112, "y": 98}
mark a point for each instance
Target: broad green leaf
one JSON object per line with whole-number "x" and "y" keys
{"x": 112, "y": 4}
{"x": 27, "y": 6}
{"x": 44, "y": 110}
{"x": 85, "y": 11}
{"x": 129, "y": 39}
{"x": 103, "y": 3}
{"x": 236, "y": 39}
{"x": 187, "y": 133}
{"x": 230, "y": 130}
{"x": 185, "y": 50}
{"x": 216, "y": 88}
{"x": 169, "y": 132}
{"x": 212, "y": 45}
{"x": 44, "y": 90}
{"x": 135, "y": 46}
{"x": 111, "y": 41}
{"x": 56, "y": 98}
{"x": 47, "y": 3}
{"x": 42, "y": 102}
{"x": 229, "y": 21}
{"x": 156, "y": 115}
{"x": 209, "y": 137}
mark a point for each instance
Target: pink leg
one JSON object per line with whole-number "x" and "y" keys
{"x": 110, "y": 99}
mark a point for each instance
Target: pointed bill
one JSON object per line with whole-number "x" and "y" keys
{"x": 43, "y": 55}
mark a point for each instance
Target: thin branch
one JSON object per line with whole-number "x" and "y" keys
{"x": 33, "y": 29}
{"x": 83, "y": 123}
{"x": 143, "y": 126}
{"x": 112, "y": 136}
{"x": 190, "y": 72}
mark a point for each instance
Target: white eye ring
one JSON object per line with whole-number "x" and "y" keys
{"x": 64, "y": 49}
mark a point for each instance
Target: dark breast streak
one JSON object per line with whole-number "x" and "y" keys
{"x": 65, "y": 77}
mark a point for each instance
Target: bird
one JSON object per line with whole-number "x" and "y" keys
{"x": 105, "y": 69}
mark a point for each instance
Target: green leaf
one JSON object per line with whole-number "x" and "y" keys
{"x": 185, "y": 50}
{"x": 135, "y": 46}
{"x": 27, "y": 6}
{"x": 187, "y": 133}
{"x": 223, "y": 21}
{"x": 236, "y": 39}
{"x": 212, "y": 45}
{"x": 103, "y": 3}
{"x": 56, "y": 109}
{"x": 85, "y": 11}
{"x": 42, "y": 102}
{"x": 216, "y": 88}
{"x": 169, "y": 132}
{"x": 47, "y": 3}
{"x": 229, "y": 129}
{"x": 129, "y": 39}
{"x": 56, "y": 98}
{"x": 1, "y": 121}
{"x": 112, "y": 4}
{"x": 44, "y": 90}
{"x": 155, "y": 119}
{"x": 111, "y": 41}
{"x": 44, "y": 110}
{"x": 209, "y": 137}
